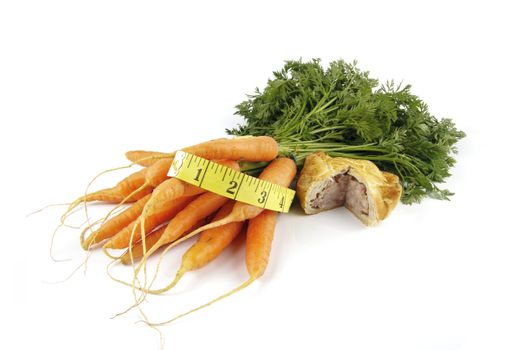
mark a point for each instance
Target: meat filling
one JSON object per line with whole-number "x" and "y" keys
{"x": 342, "y": 189}
{"x": 356, "y": 199}
{"x": 332, "y": 194}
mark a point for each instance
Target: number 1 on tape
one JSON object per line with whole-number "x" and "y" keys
{"x": 229, "y": 183}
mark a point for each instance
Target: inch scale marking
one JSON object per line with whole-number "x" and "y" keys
{"x": 229, "y": 183}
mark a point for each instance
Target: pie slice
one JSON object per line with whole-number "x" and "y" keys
{"x": 326, "y": 183}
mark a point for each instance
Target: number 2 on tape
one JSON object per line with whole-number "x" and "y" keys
{"x": 229, "y": 183}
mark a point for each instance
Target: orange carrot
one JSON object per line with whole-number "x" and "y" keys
{"x": 281, "y": 172}
{"x": 129, "y": 189}
{"x": 114, "y": 225}
{"x": 158, "y": 214}
{"x": 259, "y": 237}
{"x": 249, "y": 149}
{"x": 146, "y": 158}
{"x": 209, "y": 246}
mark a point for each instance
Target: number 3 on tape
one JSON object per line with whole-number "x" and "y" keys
{"x": 229, "y": 183}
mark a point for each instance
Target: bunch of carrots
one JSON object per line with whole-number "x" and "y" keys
{"x": 165, "y": 211}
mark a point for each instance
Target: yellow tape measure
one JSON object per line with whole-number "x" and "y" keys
{"x": 229, "y": 183}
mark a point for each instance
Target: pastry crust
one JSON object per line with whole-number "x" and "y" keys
{"x": 383, "y": 189}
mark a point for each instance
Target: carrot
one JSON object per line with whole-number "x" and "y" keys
{"x": 249, "y": 149}
{"x": 259, "y": 237}
{"x": 113, "y": 226}
{"x": 280, "y": 171}
{"x": 146, "y": 158}
{"x": 158, "y": 214}
{"x": 209, "y": 246}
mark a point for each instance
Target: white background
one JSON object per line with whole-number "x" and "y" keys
{"x": 82, "y": 82}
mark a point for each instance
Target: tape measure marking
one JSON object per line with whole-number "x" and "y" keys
{"x": 232, "y": 184}
{"x": 205, "y": 171}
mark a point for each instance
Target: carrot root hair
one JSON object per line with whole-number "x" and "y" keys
{"x": 233, "y": 291}
{"x": 172, "y": 284}
{"x": 52, "y": 244}
{"x": 47, "y": 207}
{"x": 108, "y": 254}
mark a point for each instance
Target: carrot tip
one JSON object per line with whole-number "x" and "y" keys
{"x": 172, "y": 284}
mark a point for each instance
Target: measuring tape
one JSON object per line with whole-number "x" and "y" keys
{"x": 229, "y": 183}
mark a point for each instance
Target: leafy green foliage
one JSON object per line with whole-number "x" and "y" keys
{"x": 342, "y": 111}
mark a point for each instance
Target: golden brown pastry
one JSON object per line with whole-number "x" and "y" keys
{"x": 366, "y": 191}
